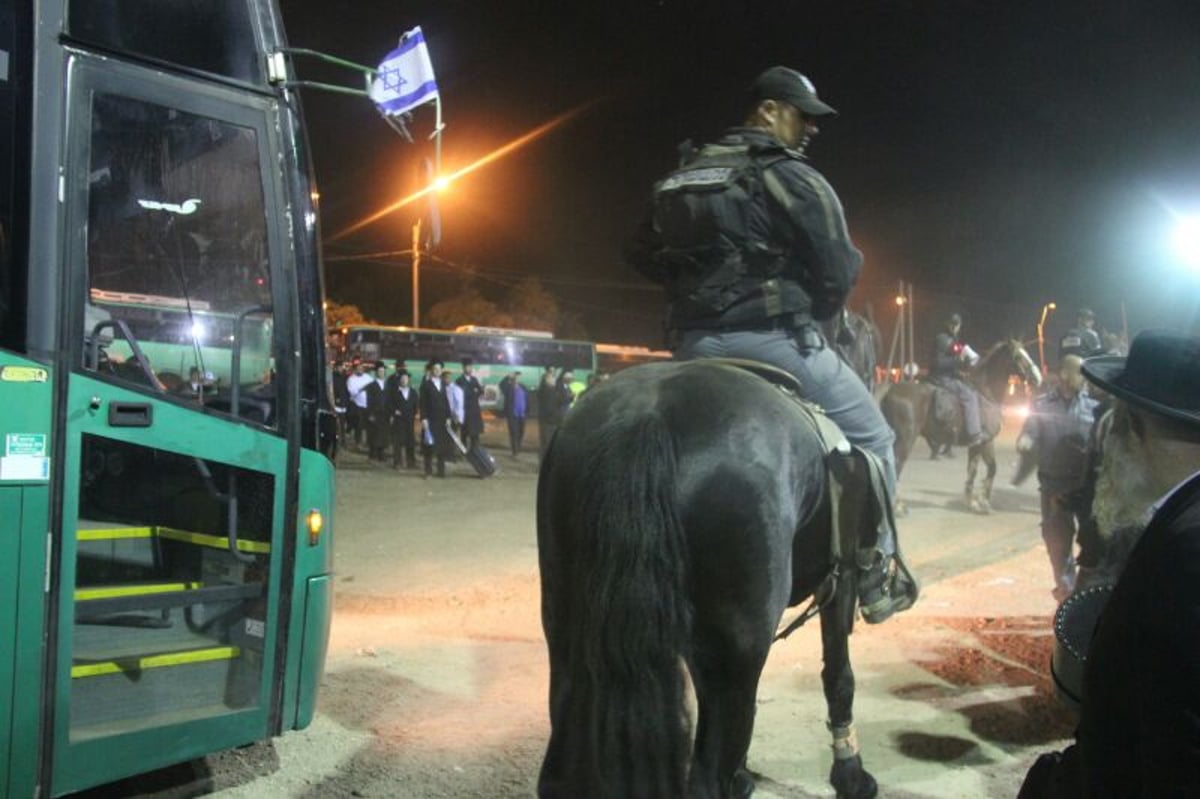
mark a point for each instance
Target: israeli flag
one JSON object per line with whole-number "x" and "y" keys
{"x": 405, "y": 78}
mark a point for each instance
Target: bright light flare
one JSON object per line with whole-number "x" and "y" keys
{"x": 198, "y": 331}
{"x": 1186, "y": 241}
{"x": 1017, "y": 410}
{"x": 445, "y": 180}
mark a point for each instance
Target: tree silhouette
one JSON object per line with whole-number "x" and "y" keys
{"x": 467, "y": 307}
{"x": 339, "y": 314}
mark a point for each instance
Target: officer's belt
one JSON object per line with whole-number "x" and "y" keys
{"x": 804, "y": 330}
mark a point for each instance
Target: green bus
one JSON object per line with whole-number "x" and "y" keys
{"x": 497, "y": 352}
{"x": 165, "y": 550}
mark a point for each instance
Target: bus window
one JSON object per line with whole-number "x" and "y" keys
{"x": 12, "y": 277}
{"x": 177, "y": 260}
{"x": 214, "y": 36}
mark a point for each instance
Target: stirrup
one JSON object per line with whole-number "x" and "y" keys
{"x": 893, "y": 591}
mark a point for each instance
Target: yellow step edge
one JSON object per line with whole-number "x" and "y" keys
{"x": 155, "y": 661}
{"x": 216, "y": 541}
{"x": 114, "y": 533}
{"x": 186, "y": 536}
{"x": 108, "y": 592}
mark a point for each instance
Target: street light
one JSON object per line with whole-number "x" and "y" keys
{"x": 1186, "y": 240}
{"x": 1041, "y": 325}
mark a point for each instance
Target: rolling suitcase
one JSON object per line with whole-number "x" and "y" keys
{"x": 480, "y": 459}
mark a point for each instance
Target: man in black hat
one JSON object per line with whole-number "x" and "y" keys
{"x": 472, "y": 391}
{"x": 751, "y": 245}
{"x": 435, "y": 413}
{"x": 1139, "y": 724}
{"x": 378, "y": 417}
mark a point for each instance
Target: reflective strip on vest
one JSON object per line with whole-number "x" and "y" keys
{"x": 711, "y": 176}
{"x": 829, "y": 203}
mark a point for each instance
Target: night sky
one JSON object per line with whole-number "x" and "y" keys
{"x": 998, "y": 155}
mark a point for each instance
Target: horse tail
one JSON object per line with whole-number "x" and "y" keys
{"x": 630, "y": 620}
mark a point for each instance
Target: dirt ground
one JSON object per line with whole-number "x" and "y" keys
{"x": 437, "y": 677}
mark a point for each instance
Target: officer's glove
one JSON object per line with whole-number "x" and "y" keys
{"x": 1025, "y": 443}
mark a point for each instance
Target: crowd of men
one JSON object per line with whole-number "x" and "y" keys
{"x": 441, "y": 415}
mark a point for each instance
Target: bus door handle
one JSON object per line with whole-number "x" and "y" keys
{"x": 130, "y": 414}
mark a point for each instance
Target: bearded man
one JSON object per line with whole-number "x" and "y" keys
{"x": 1139, "y": 724}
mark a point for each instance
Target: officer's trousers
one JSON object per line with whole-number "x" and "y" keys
{"x": 968, "y": 400}
{"x": 825, "y": 378}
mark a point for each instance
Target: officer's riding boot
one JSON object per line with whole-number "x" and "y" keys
{"x": 884, "y": 589}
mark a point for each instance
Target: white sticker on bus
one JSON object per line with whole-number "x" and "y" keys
{"x": 24, "y": 467}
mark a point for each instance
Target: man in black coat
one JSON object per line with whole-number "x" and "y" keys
{"x": 1139, "y": 724}
{"x": 435, "y": 412}
{"x": 554, "y": 398}
{"x": 377, "y": 417}
{"x": 472, "y": 389}
{"x": 341, "y": 397}
{"x": 402, "y": 410}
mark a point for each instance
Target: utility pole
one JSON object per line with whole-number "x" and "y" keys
{"x": 912, "y": 341}
{"x": 902, "y": 330}
{"x": 416, "y": 273}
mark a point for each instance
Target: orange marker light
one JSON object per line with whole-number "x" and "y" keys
{"x": 315, "y": 523}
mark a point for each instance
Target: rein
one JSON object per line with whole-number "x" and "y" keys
{"x": 827, "y": 590}
{"x": 836, "y": 447}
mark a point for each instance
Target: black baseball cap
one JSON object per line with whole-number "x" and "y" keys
{"x": 788, "y": 85}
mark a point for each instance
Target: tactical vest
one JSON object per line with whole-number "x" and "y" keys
{"x": 723, "y": 268}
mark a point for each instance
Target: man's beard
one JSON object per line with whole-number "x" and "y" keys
{"x": 1124, "y": 489}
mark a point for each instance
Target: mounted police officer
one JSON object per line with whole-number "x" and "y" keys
{"x": 1081, "y": 340}
{"x": 951, "y": 359}
{"x": 751, "y": 245}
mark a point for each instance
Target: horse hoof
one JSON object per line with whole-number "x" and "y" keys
{"x": 742, "y": 784}
{"x": 851, "y": 781}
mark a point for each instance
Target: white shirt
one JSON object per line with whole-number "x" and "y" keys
{"x": 454, "y": 393}
{"x": 357, "y": 386}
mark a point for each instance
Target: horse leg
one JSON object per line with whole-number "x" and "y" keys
{"x": 847, "y": 775}
{"x": 989, "y": 459}
{"x": 725, "y": 671}
{"x": 972, "y": 469}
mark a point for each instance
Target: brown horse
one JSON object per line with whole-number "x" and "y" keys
{"x": 908, "y": 408}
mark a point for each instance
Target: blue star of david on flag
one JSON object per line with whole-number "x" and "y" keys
{"x": 405, "y": 78}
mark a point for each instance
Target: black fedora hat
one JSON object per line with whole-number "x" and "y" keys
{"x": 1161, "y": 374}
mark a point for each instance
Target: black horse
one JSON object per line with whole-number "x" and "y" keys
{"x": 682, "y": 508}
{"x": 909, "y": 409}
{"x": 857, "y": 341}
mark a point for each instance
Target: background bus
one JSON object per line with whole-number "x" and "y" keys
{"x": 165, "y": 557}
{"x": 176, "y": 336}
{"x": 615, "y": 357}
{"x": 497, "y": 353}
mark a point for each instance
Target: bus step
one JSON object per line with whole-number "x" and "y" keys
{"x": 123, "y": 694}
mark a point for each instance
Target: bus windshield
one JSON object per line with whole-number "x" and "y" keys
{"x": 177, "y": 259}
